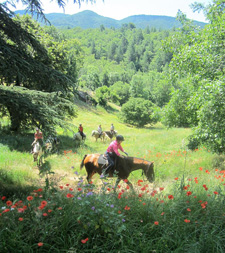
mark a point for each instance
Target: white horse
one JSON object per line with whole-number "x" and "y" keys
{"x": 77, "y": 137}
{"x": 37, "y": 152}
{"x": 96, "y": 134}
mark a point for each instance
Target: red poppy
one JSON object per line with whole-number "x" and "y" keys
{"x": 8, "y": 203}
{"x": 156, "y": 223}
{"x": 61, "y": 187}
{"x": 67, "y": 184}
{"x": 176, "y": 178}
{"x": 144, "y": 204}
{"x": 188, "y": 193}
{"x": 161, "y": 188}
{"x": 162, "y": 213}
{"x": 128, "y": 187}
{"x": 44, "y": 203}
{"x": 119, "y": 211}
{"x": 170, "y": 197}
{"x": 79, "y": 189}
{"x": 69, "y": 195}
{"x": 39, "y": 190}
{"x": 84, "y": 241}
{"x": 45, "y": 214}
{"x": 20, "y": 219}
{"x": 187, "y": 221}
{"x": 40, "y": 244}
{"x": 59, "y": 208}
{"x": 108, "y": 189}
{"x": 49, "y": 211}
{"x": 125, "y": 180}
{"x": 127, "y": 208}
{"x": 71, "y": 189}
{"x": 214, "y": 193}
{"x": 188, "y": 209}
{"x": 29, "y": 198}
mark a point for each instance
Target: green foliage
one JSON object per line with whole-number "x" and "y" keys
{"x": 211, "y": 115}
{"x": 102, "y": 95}
{"x": 28, "y": 108}
{"x": 138, "y": 112}
{"x": 119, "y": 92}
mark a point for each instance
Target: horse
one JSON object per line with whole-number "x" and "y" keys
{"x": 123, "y": 167}
{"x": 77, "y": 137}
{"x": 52, "y": 144}
{"x": 37, "y": 152}
{"x": 96, "y": 134}
{"x": 110, "y": 134}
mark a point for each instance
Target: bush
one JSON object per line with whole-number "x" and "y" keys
{"x": 138, "y": 112}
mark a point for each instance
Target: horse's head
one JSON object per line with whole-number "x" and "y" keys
{"x": 149, "y": 172}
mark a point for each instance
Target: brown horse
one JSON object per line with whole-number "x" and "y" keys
{"x": 123, "y": 167}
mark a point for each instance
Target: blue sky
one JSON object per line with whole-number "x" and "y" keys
{"x": 119, "y": 9}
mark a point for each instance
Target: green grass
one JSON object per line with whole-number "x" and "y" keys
{"x": 146, "y": 220}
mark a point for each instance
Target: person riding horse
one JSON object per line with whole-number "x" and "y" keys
{"x": 112, "y": 152}
{"x": 38, "y": 137}
{"x": 100, "y": 131}
{"x": 112, "y": 129}
{"x": 80, "y": 130}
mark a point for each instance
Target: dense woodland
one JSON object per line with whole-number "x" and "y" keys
{"x": 174, "y": 76}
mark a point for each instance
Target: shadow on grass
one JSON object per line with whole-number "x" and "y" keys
{"x": 22, "y": 142}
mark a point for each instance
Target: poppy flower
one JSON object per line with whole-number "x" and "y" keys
{"x": 127, "y": 208}
{"x": 29, "y": 198}
{"x": 187, "y": 221}
{"x": 170, "y": 197}
{"x": 20, "y": 219}
{"x": 8, "y": 203}
{"x": 84, "y": 240}
{"x": 40, "y": 244}
{"x": 214, "y": 193}
{"x": 176, "y": 178}
{"x": 188, "y": 193}
{"x": 188, "y": 209}
{"x": 156, "y": 223}
{"x": 44, "y": 203}
{"x": 69, "y": 195}
{"x": 45, "y": 214}
{"x": 125, "y": 180}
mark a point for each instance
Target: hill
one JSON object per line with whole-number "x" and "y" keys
{"x": 89, "y": 19}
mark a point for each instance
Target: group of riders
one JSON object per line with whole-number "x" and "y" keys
{"x": 111, "y": 152}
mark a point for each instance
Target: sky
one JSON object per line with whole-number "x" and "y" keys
{"x": 119, "y": 9}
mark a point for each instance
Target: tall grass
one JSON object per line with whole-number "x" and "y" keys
{"x": 53, "y": 209}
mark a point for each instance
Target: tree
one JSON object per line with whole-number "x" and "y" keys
{"x": 28, "y": 61}
{"x": 138, "y": 112}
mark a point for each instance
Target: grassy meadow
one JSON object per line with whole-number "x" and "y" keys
{"x": 53, "y": 209}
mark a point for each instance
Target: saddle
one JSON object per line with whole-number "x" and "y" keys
{"x": 102, "y": 160}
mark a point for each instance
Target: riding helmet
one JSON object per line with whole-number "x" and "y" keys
{"x": 119, "y": 138}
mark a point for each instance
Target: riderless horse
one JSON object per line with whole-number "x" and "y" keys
{"x": 95, "y": 163}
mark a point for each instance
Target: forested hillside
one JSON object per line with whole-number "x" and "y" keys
{"x": 153, "y": 75}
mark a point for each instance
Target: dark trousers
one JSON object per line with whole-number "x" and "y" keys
{"x": 111, "y": 161}
{"x": 82, "y": 135}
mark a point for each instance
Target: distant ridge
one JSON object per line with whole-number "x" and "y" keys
{"x": 89, "y": 19}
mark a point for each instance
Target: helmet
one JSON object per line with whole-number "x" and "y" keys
{"x": 37, "y": 128}
{"x": 119, "y": 138}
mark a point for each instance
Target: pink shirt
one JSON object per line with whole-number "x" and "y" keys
{"x": 114, "y": 146}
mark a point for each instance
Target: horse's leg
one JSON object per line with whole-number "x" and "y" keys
{"x": 130, "y": 184}
{"x": 117, "y": 182}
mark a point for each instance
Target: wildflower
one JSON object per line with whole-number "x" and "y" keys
{"x": 119, "y": 212}
{"x": 8, "y": 203}
{"x": 161, "y": 188}
{"x": 127, "y": 208}
{"x": 69, "y": 195}
{"x": 71, "y": 189}
{"x": 176, "y": 178}
{"x": 61, "y": 187}
{"x": 144, "y": 204}
{"x": 93, "y": 208}
{"x": 89, "y": 194}
{"x": 125, "y": 180}
{"x": 29, "y": 198}
{"x": 185, "y": 187}
{"x": 20, "y": 219}
{"x": 79, "y": 189}
{"x": 170, "y": 197}
{"x": 112, "y": 206}
{"x": 156, "y": 223}
{"x": 187, "y": 221}
{"x": 108, "y": 189}
{"x": 49, "y": 210}
{"x": 44, "y": 203}
{"x": 39, "y": 190}
{"x": 123, "y": 220}
{"x": 45, "y": 214}
{"x": 76, "y": 172}
{"x": 67, "y": 184}
{"x": 20, "y": 210}
{"x": 84, "y": 240}
{"x": 128, "y": 187}
{"x": 40, "y": 244}
{"x": 189, "y": 193}
{"x": 214, "y": 193}
{"x": 59, "y": 208}
{"x": 162, "y": 213}
{"x": 6, "y": 210}
{"x": 4, "y": 197}
{"x": 200, "y": 168}
{"x": 188, "y": 209}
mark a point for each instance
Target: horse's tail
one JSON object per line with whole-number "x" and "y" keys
{"x": 82, "y": 163}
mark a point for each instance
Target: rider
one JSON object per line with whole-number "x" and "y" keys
{"x": 80, "y": 130}
{"x": 112, "y": 152}
{"x": 112, "y": 129}
{"x": 100, "y": 131}
{"x": 38, "y": 137}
